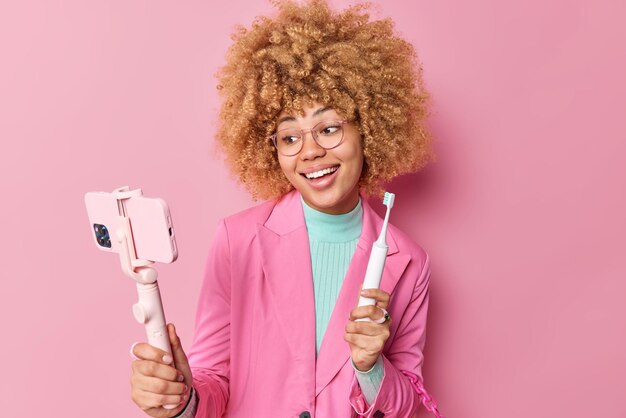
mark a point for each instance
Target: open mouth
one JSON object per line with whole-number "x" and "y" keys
{"x": 321, "y": 173}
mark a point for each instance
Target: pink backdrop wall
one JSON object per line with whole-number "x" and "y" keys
{"x": 523, "y": 214}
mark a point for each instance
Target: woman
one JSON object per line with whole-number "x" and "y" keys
{"x": 320, "y": 108}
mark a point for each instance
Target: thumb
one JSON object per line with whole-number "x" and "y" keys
{"x": 180, "y": 358}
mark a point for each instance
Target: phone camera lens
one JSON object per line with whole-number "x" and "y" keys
{"x": 102, "y": 235}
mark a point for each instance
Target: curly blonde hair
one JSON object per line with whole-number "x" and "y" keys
{"x": 310, "y": 54}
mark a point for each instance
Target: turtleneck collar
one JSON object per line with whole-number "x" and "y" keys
{"x": 333, "y": 228}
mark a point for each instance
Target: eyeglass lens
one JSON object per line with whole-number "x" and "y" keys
{"x": 327, "y": 134}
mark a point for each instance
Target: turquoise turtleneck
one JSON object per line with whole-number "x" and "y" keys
{"x": 332, "y": 241}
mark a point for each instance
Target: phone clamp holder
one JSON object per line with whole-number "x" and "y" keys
{"x": 149, "y": 309}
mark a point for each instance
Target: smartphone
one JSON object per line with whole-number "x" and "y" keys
{"x": 150, "y": 221}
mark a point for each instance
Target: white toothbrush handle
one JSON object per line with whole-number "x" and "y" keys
{"x": 374, "y": 271}
{"x": 149, "y": 311}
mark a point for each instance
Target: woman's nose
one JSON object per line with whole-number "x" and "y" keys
{"x": 310, "y": 148}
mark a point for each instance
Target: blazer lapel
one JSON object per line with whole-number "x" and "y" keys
{"x": 335, "y": 352}
{"x": 286, "y": 261}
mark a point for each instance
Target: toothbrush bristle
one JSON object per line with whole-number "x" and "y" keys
{"x": 388, "y": 199}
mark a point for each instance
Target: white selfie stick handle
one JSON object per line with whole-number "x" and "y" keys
{"x": 374, "y": 271}
{"x": 149, "y": 311}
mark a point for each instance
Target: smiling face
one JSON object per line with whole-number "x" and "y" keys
{"x": 328, "y": 180}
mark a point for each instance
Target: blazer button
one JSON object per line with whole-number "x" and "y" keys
{"x": 305, "y": 414}
{"x": 378, "y": 414}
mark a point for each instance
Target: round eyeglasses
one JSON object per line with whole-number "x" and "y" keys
{"x": 327, "y": 134}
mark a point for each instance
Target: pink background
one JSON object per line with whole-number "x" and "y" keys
{"x": 523, "y": 213}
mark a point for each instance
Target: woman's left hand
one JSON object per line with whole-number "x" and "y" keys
{"x": 367, "y": 339}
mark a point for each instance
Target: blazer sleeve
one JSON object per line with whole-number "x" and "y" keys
{"x": 209, "y": 356}
{"x": 396, "y": 396}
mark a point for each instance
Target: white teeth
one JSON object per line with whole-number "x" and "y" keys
{"x": 321, "y": 173}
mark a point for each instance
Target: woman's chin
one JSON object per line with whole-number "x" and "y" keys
{"x": 330, "y": 203}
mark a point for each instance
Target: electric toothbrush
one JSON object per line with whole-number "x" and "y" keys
{"x": 378, "y": 255}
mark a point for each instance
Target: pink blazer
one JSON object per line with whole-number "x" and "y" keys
{"x": 253, "y": 353}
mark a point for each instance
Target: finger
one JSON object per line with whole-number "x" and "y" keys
{"x": 381, "y": 297}
{"x": 147, "y": 400}
{"x": 132, "y": 351}
{"x": 367, "y": 328}
{"x": 370, "y": 345}
{"x": 154, "y": 369}
{"x": 180, "y": 358}
{"x": 146, "y": 351}
{"x": 368, "y": 311}
{"x": 158, "y": 386}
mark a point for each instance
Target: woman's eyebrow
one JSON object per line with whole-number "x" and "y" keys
{"x": 321, "y": 110}
{"x": 285, "y": 119}
{"x": 289, "y": 118}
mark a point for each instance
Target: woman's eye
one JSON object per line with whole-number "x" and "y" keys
{"x": 288, "y": 139}
{"x": 329, "y": 130}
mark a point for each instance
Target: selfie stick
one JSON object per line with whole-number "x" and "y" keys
{"x": 149, "y": 309}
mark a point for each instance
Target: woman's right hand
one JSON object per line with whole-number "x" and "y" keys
{"x": 155, "y": 382}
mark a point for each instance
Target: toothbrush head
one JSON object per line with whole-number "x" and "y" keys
{"x": 388, "y": 199}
